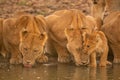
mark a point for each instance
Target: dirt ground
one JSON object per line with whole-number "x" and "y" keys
{"x": 44, "y": 7}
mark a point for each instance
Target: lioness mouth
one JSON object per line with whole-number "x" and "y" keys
{"x": 27, "y": 65}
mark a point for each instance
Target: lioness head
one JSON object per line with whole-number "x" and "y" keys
{"x": 31, "y": 46}
{"x": 89, "y": 47}
{"x": 32, "y": 38}
{"x": 74, "y": 44}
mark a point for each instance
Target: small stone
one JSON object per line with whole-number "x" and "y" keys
{"x": 38, "y": 77}
{"x": 8, "y": 70}
{"x": 21, "y": 78}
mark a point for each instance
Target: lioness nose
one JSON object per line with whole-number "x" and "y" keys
{"x": 28, "y": 61}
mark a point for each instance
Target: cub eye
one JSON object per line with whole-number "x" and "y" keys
{"x": 88, "y": 46}
{"x": 83, "y": 28}
{"x": 78, "y": 49}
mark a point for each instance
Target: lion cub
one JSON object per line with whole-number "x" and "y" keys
{"x": 95, "y": 44}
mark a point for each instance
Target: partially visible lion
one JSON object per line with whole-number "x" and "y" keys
{"x": 1, "y": 39}
{"x": 2, "y": 49}
{"x": 98, "y": 6}
{"x": 97, "y": 11}
{"x": 24, "y": 38}
{"x": 64, "y": 32}
{"x": 112, "y": 5}
{"x": 111, "y": 28}
{"x": 95, "y": 44}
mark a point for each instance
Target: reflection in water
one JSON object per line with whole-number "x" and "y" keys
{"x": 92, "y": 74}
{"x": 116, "y": 72}
{"x": 59, "y": 71}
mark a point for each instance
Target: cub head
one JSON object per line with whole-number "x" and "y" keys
{"x": 31, "y": 46}
{"x": 74, "y": 44}
{"x": 98, "y": 1}
{"x": 90, "y": 44}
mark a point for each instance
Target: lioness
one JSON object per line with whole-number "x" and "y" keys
{"x": 95, "y": 44}
{"x": 75, "y": 38}
{"x": 25, "y": 34}
{"x": 111, "y": 28}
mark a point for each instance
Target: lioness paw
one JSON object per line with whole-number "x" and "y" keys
{"x": 116, "y": 60}
{"x": 77, "y": 64}
{"x": 42, "y": 59}
{"x": 93, "y": 65}
{"x": 15, "y": 61}
{"x": 108, "y": 63}
{"x": 64, "y": 59}
{"x": 102, "y": 64}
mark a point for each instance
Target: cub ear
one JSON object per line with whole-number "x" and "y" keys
{"x": 97, "y": 37}
{"x": 23, "y": 32}
{"x": 85, "y": 35}
{"x": 68, "y": 31}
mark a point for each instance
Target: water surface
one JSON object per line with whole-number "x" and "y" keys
{"x": 58, "y": 71}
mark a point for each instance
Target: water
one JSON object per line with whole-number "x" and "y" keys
{"x": 57, "y": 71}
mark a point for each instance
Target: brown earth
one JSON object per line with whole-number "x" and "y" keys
{"x": 44, "y": 7}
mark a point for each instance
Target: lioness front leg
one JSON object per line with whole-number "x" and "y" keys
{"x": 93, "y": 60}
{"x": 63, "y": 54}
{"x": 16, "y": 57}
{"x": 42, "y": 58}
{"x": 76, "y": 56}
{"x": 116, "y": 53}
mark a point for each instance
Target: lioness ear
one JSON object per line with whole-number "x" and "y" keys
{"x": 67, "y": 31}
{"x": 43, "y": 37}
{"x": 23, "y": 33}
{"x": 22, "y": 21}
{"x": 40, "y": 20}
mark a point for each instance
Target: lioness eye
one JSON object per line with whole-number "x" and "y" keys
{"x": 35, "y": 50}
{"x": 25, "y": 49}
